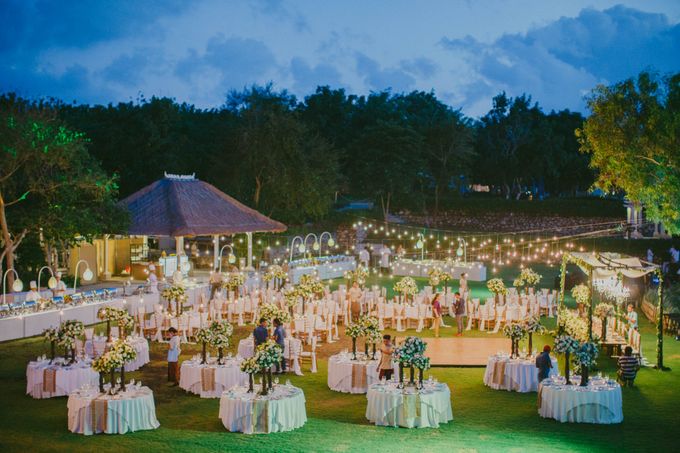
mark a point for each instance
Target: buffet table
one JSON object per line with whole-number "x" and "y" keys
{"x": 599, "y": 402}
{"x": 282, "y": 410}
{"x": 519, "y": 375}
{"x": 140, "y": 344}
{"x": 45, "y": 380}
{"x": 476, "y": 271}
{"x": 325, "y": 268}
{"x": 210, "y": 380}
{"x": 409, "y": 408}
{"x": 91, "y": 412}
{"x": 353, "y": 376}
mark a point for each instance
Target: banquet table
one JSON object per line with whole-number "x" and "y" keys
{"x": 46, "y": 381}
{"x": 246, "y": 349}
{"x": 210, "y": 380}
{"x": 140, "y": 344}
{"x": 353, "y": 376}
{"x": 249, "y": 413}
{"x": 409, "y": 408}
{"x": 476, "y": 271}
{"x": 599, "y": 402}
{"x": 519, "y": 375}
{"x": 91, "y": 412}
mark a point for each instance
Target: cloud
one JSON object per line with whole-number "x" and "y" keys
{"x": 379, "y": 79}
{"x": 237, "y": 62}
{"x": 306, "y": 78}
{"x": 560, "y": 62}
{"x": 420, "y": 67}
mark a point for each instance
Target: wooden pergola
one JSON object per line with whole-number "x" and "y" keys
{"x": 608, "y": 264}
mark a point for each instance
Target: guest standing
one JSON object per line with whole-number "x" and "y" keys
{"x": 436, "y": 314}
{"x": 463, "y": 285}
{"x": 60, "y": 288}
{"x": 260, "y": 334}
{"x": 354, "y": 295}
{"x": 364, "y": 258}
{"x": 173, "y": 356}
{"x": 459, "y": 310}
{"x": 153, "y": 279}
{"x": 215, "y": 282}
{"x": 385, "y": 368}
{"x": 280, "y": 337}
{"x": 544, "y": 363}
{"x": 385, "y": 253}
{"x": 632, "y": 318}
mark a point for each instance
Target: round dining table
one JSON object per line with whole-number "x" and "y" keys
{"x": 354, "y": 376}
{"x": 48, "y": 380}
{"x": 389, "y": 405}
{"x": 518, "y": 375}
{"x": 210, "y": 380}
{"x": 598, "y": 402}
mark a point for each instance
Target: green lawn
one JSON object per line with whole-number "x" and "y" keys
{"x": 484, "y": 419}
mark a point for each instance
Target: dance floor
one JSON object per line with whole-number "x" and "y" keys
{"x": 461, "y": 351}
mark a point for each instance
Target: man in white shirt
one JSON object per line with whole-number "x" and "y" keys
{"x": 33, "y": 295}
{"x": 173, "y": 356}
{"x": 632, "y": 318}
{"x": 153, "y": 279}
{"x": 385, "y": 254}
{"x": 59, "y": 289}
{"x": 364, "y": 257}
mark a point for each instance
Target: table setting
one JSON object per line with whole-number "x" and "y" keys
{"x": 598, "y": 402}
{"x": 392, "y": 404}
{"x": 246, "y": 349}
{"x": 282, "y": 409}
{"x": 141, "y": 345}
{"x": 116, "y": 411}
{"x": 514, "y": 374}
{"x": 211, "y": 379}
{"x": 59, "y": 377}
{"x": 353, "y": 376}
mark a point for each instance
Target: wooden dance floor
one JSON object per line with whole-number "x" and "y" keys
{"x": 461, "y": 351}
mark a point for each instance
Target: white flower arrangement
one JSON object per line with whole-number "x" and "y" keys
{"x": 234, "y": 281}
{"x": 435, "y": 276}
{"x": 410, "y": 348}
{"x": 533, "y": 325}
{"x": 359, "y": 275}
{"x": 270, "y": 312}
{"x": 204, "y": 335}
{"x": 250, "y": 366}
{"x": 51, "y": 334}
{"x": 586, "y": 354}
{"x": 220, "y": 334}
{"x": 111, "y": 313}
{"x": 581, "y": 294}
{"x": 421, "y": 362}
{"x": 369, "y": 323}
{"x": 124, "y": 350}
{"x": 407, "y": 286}
{"x": 566, "y": 343}
{"x": 354, "y": 330}
{"x": 275, "y": 272}
{"x": 496, "y": 286}
{"x": 514, "y": 331}
{"x": 292, "y": 296}
{"x": 268, "y": 354}
{"x": 69, "y": 332}
{"x": 174, "y": 293}
{"x": 373, "y": 336}
{"x": 572, "y": 324}
{"x": 106, "y": 363}
{"x": 604, "y": 310}
{"x": 310, "y": 286}
{"x": 527, "y": 277}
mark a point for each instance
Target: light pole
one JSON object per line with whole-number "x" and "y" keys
{"x": 421, "y": 245}
{"x": 17, "y": 286}
{"x": 301, "y": 247}
{"x": 52, "y": 282}
{"x": 315, "y": 246}
{"x": 330, "y": 242}
{"x": 231, "y": 257}
{"x": 87, "y": 275}
{"x": 462, "y": 249}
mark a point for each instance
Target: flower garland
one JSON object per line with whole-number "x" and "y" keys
{"x": 581, "y": 294}
{"x": 566, "y": 344}
{"x": 407, "y": 286}
{"x": 409, "y": 349}
{"x": 604, "y": 310}
{"x": 268, "y": 354}
{"x": 496, "y": 286}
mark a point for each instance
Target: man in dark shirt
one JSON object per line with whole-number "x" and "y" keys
{"x": 459, "y": 310}
{"x": 280, "y": 336}
{"x": 628, "y": 366}
{"x": 543, "y": 363}
{"x": 260, "y": 333}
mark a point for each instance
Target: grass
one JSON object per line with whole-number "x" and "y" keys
{"x": 484, "y": 419}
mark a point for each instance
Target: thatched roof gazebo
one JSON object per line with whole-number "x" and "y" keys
{"x": 181, "y": 205}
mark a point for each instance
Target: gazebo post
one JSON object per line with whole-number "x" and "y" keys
{"x": 249, "y": 262}
{"x": 659, "y": 326}
{"x": 216, "y": 250}
{"x": 179, "y": 250}
{"x": 590, "y": 304}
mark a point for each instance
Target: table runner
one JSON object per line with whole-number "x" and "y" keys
{"x": 208, "y": 379}
{"x": 358, "y": 375}
{"x": 49, "y": 380}
{"x": 411, "y": 405}
{"x": 260, "y": 417}
{"x": 498, "y": 373}
{"x": 100, "y": 410}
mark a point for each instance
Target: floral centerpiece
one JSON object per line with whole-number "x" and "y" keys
{"x": 267, "y": 355}
{"x": 277, "y": 274}
{"x": 405, "y": 354}
{"x": 514, "y": 331}
{"x": 435, "y": 276}
{"x": 565, "y": 344}
{"x": 126, "y": 353}
{"x": 533, "y": 325}
{"x": 220, "y": 334}
{"x": 371, "y": 327}
{"x": 52, "y": 335}
{"x": 204, "y": 336}
{"x": 497, "y": 287}
{"x": 354, "y": 331}
{"x": 358, "y": 275}
{"x": 571, "y": 324}
{"x": 527, "y": 278}
{"x": 250, "y": 367}
{"x": 69, "y": 332}
{"x": 234, "y": 281}
{"x": 106, "y": 364}
{"x": 270, "y": 312}
{"x": 585, "y": 357}
{"x": 604, "y": 311}
{"x": 407, "y": 287}
{"x": 176, "y": 294}
{"x": 422, "y": 363}
{"x": 119, "y": 316}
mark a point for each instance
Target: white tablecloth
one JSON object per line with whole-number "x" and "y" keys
{"x": 476, "y": 271}
{"x": 140, "y": 344}
{"x": 390, "y": 406}
{"x": 246, "y": 349}
{"x": 127, "y": 412}
{"x": 67, "y": 379}
{"x": 518, "y": 375}
{"x": 283, "y": 410}
{"x": 226, "y": 377}
{"x": 342, "y": 372}
{"x": 595, "y": 403}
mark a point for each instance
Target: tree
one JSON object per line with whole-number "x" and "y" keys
{"x": 633, "y": 138}
{"x": 42, "y": 163}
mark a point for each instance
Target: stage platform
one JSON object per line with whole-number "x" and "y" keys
{"x": 462, "y": 351}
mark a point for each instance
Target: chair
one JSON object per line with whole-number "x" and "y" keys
{"x": 388, "y": 317}
{"x": 299, "y": 328}
{"x": 310, "y": 355}
{"x": 89, "y": 333}
{"x": 500, "y": 316}
{"x": 292, "y": 354}
{"x": 411, "y": 316}
{"x": 320, "y": 328}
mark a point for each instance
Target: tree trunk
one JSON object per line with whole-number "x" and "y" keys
{"x": 258, "y": 191}
{"x": 436, "y": 201}
{"x": 386, "y": 205}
